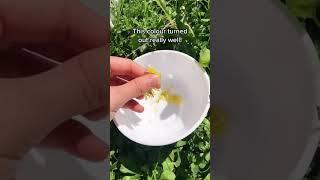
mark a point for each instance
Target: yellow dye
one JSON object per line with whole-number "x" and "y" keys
{"x": 163, "y": 95}
{"x": 150, "y": 94}
{"x": 170, "y": 98}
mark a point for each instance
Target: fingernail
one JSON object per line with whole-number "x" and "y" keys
{"x": 154, "y": 81}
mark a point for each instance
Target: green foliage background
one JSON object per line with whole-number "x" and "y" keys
{"x": 189, "y": 158}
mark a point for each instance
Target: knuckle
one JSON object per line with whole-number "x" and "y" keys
{"x": 92, "y": 90}
{"x": 138, "y": 87}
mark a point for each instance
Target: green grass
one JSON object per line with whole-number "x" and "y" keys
{"x": 159, "y": 14}
{"x": 189, "y": 158}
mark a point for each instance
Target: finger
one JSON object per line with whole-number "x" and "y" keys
{"x": 120, "y": 80}
{"x": 116, "y": 83}
{"x": 126, "y": 78}
{"x": 59, "y": 21}
{"x": 133, "y": 89}
{"x": 16, "y": 63}
{"x": 46, "y": 100}
{"x": 76, "y": 87}
{"x": 97, "y": 114}
{"x": 57, "y": 52}
{"x": 11, "y": 65}
{"x": 76, "y": 139}
{"x": 134, "y": 106}
{"x": 140, "y": 97}
{"x": 122, "y": 66}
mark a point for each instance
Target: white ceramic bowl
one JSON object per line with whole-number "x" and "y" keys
{"x": 163, "y": 123}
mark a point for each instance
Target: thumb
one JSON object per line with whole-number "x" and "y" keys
{"x": 76, "y": 87}
{"x": 120, "y": 95}
{"x": 44, "y": 101}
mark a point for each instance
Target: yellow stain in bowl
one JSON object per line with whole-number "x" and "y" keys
{"x": 150, "y": 94}
{"x": 170, "y": 98}
{"x": 163, "y": 95}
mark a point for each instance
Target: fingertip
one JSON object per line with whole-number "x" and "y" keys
{"x": 140, "y": 97}
{"x": 124, "y": 66}
{"x": 139, "y": 108}
{"x": 78, "y": 140}
{"x": 136, "y": 88}
{"x": 134, "y": 106}
{"x": 154, "y": 81}
{"x": 92, "y": 148}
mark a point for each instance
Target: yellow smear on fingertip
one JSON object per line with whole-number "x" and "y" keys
{"x": 152, "y": 70}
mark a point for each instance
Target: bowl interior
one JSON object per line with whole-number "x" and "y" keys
{"x": 162, "y": 123}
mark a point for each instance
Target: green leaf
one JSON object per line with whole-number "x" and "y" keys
{"x": 113, "y": 166}
{"x": 112, "y": 153}
{"x": 181, "y": 143}
{"x": 191, "y": 157}
{"x": 171, "y": 155}
{"x": 207, "y": 177}
{"x": 203, "y": 164}
{"x": 167, "y": 175}
{"x": 112, "y": 176}
{"x": 124, "y": 170}
{"x": 190, "y": 30}
{"x": 194, "y": 169}
{"x": 178, "y": 161}
{"x": 205, "y": 20}
{"x": 162, "y": 5}
{"x": 168, "y": 165}
{"x": 303, "y": 8}
{"x": 207, "y": 157}
{"x": 136, "y": 177}
{"x": 204, "y": 57}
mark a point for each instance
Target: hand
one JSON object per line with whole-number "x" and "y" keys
{"x": 36, "y": 110}
{"x": 139, "y": 82}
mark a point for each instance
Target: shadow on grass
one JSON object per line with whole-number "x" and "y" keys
{"x": 135, "y": 157}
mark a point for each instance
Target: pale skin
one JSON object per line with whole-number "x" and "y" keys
{"x": 36, "y": 110}
{"x": 122, "y": 93}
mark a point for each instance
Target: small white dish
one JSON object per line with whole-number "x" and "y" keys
{"x": 162, "y": 123}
